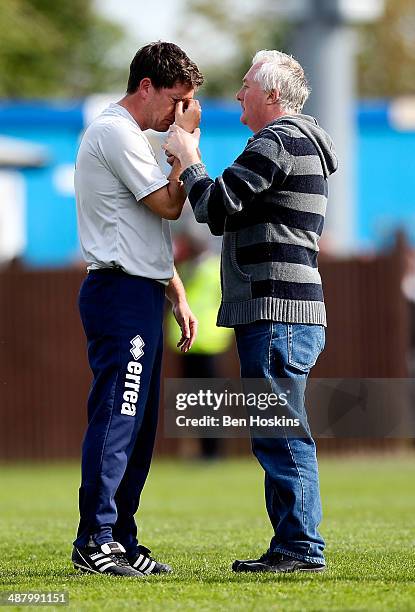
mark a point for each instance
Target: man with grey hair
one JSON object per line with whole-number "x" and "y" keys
{"x": 270, "y": 206}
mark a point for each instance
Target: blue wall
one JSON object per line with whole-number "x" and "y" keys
{"x": 385, "y": 171}
{"x": 51, "y": 219}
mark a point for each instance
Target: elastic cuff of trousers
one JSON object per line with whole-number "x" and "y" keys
{"x": 306, "y": 558}
{"x": 80, "y": 543}
{"x": 104, "y": 540}
{"x": 85, "y": 542}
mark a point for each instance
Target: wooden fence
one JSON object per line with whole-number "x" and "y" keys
{"x": 44, "y": 375}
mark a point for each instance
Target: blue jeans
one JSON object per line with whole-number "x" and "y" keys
{"x": 272, "y": 350}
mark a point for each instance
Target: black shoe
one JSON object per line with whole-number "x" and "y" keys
{"x": 108, "y": 558}
{"x": 142, "y": 561}
{"x": 278, "y": 563}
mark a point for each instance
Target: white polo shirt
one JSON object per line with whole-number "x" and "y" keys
{"x": 116, "y": 168}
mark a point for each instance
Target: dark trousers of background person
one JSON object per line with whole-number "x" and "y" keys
{"x": 122, "y": 318}
{"x": 203, "y": 365}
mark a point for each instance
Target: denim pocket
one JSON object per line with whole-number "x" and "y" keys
{"x": 305, "y": 343}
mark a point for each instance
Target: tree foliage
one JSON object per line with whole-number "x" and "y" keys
{"x": 242, "y": 29}
{"x": 55, "y": 49}
{"x": 386, "y": 48}
{"x": 386, "y": 61}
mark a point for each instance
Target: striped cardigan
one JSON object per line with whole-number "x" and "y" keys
{"x": 270, "y": 206}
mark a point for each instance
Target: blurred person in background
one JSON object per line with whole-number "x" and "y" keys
{"x": 199, "y": 269}
{"x": 124, "y": 204}
{"x": 270, "y": 206}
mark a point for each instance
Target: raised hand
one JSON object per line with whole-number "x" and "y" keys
{"x": 187, "y": 115}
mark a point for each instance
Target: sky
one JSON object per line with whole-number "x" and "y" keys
{"x": 146, "y": 19}
{"x": 149, "y": 20}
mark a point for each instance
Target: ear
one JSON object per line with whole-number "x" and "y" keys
{"x": 145, "y": 86}
{"x": 273, "y": 96}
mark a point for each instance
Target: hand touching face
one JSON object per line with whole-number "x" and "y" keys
{"x": 187, "y": 115}
{"x": 162, "y": 104}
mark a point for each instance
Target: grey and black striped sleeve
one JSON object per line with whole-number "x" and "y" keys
{"x": 263, "y": 161}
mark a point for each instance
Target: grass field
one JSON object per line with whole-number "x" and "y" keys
{"x": 199, "y": 518}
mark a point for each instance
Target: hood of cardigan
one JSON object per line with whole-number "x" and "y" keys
{"x": 321, "y": 140}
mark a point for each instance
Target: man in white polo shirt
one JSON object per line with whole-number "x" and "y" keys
{"x": 124, "y": 205}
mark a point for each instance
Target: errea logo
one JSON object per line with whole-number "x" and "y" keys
{"x": 137, "y": 347}
{"x": 133, "y": 378}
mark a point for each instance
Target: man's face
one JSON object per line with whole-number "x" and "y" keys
{"x": 253, "y": 101}
{"x": 162, "y": 105}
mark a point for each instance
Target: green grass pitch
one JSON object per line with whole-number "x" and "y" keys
{"x": 200, "y": 518}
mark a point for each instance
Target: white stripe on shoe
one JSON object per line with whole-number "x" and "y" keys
{"x": 145, "y": 564}
{"x": 150, "y": 568}
{"x": 97, "y": 555}
{"x": 104, "y": 567}
{"x": 138, "y": 561}
{"x": 101, "y": 561}
{"x": 86, "y": 568}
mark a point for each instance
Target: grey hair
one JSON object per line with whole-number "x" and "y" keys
{"x": 281, "y": 71}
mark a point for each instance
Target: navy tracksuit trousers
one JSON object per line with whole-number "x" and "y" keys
{"x": 122, "y": 317}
